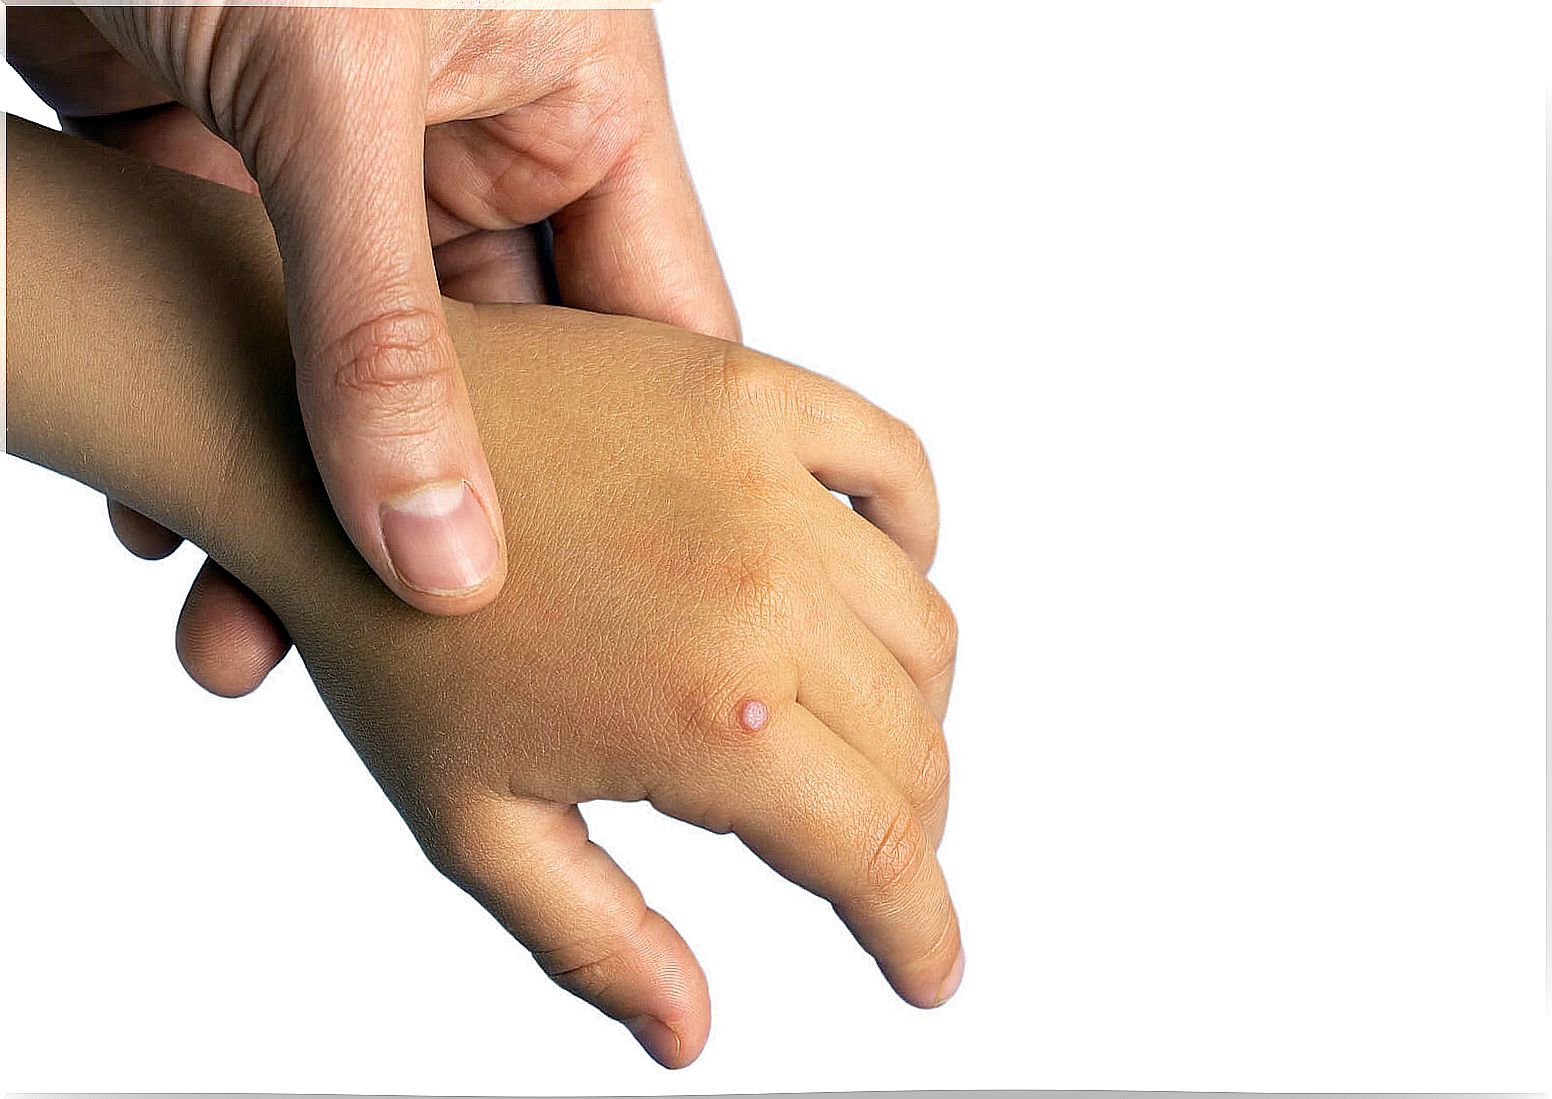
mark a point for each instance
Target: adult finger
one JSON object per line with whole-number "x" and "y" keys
{"x": 821, "y": 815}
{"x": 71, "y": 66}
{"x": 636, "y": 243}
{"x": 509, "y": 265}
{"x": 531, "y": 865}
{"x": 227, "y": 639}
{"x": 170, "y": 135}
{"x": 381, "y": 394}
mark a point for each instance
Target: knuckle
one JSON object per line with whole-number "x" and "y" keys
{"x": 453, "y": 857}
{"x": 909, "y": 448}
{"x": 743, "y": 381}
{"x": 715, "y": 704}
{"x": 584, "y": 964}
{"x": 940, "y": 637}
{"x": 930, "y": 787}
{"x": 896, "y": 858}
{"x": 945, "y": 944}
{"x": 763, "y": 595}
{"x": 398, "y": 362}
{"x": 454, "y": 839}
{"x": 762, "y": 592}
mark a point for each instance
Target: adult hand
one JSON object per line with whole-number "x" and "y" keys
{"x": 394, "y": 148}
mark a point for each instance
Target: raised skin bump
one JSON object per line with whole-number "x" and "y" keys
{"x": 753, "y": 715}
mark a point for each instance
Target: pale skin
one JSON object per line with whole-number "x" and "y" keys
{"x": 692, "y": 618}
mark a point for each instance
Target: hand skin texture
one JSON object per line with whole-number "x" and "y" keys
{"x": 692, "y": 618}
{"x": 394, "y": 150}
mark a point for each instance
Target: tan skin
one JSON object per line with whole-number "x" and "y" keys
{"x": 433, "y": 137}
{"x": 692, "y": 619}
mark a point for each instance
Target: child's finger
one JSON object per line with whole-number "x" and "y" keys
{"x": 858, "y": 689}
{"x": 891, "y": 596}
{"x": 227, "y": 639}
{"x": 531, "y": 864}
{"x": 145, "y": 538}
{"x": 819, "y": 814}
{"x": 853, "y": 447}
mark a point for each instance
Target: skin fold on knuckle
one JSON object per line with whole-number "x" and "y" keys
{"x": 744, "y": 384}
{"x": 589, "y": 965}
{"x": 929, "y": 787}
{"x": 896, "y": 858}
{"x": 396, "y": 370}
{"x": 762, "y": 593}
{"x": 940, "y": 956}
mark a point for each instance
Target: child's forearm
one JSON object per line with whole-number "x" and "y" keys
{"x": 147, "y": 351}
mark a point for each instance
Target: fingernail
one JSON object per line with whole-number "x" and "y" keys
{"x": 955, "y": 975}
{"x": 657, "y": 1038}
{"x": 439, "y": 539}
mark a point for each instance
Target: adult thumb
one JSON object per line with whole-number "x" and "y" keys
{"x": 383, "y": 399}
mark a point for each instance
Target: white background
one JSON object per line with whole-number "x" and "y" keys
{"x": 1224, "y": 324}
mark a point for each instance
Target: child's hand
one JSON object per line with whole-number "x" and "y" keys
{"x": 691, "y": 619}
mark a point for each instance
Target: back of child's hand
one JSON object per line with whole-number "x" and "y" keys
{"x": 693, "y": 619}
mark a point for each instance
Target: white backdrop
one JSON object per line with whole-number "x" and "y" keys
{"x": 1224, "y": 324}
